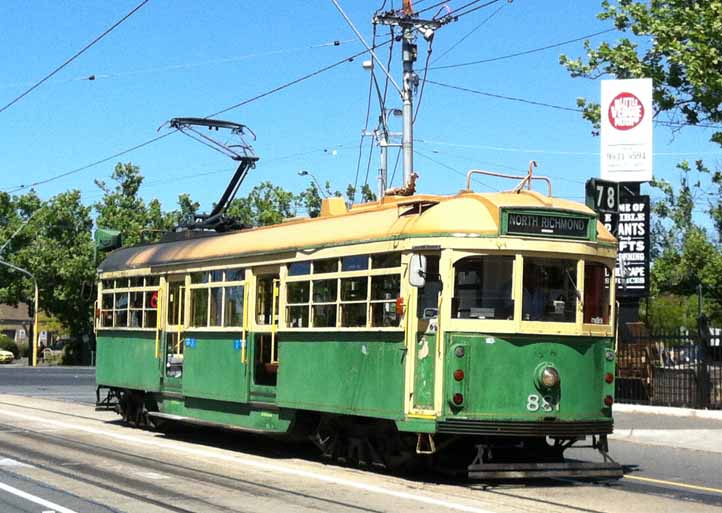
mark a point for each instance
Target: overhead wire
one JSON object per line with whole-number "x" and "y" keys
{"x": 524, "y": 52}
{"x": 453, "y": 14}
{"x": 75, "y": 56}
{"x": 155, "y": 139}
{"x": 467, "y": 35}
{"x": 423, "y": 80}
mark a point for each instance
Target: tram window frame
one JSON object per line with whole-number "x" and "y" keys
{"x": 484, "y": 295}
{"x": 213, "y": 287}
{"x": 341, "y": 308}
{"x": 137, "y": 312}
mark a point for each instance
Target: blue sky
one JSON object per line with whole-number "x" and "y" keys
{"x": 185, "y": 58}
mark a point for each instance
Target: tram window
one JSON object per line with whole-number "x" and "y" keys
{"x": 235, "y": 274}
{"x": 264, "y": 298}
{"x": 596, "y": 293}
{"x": 482, "y": 288}
{"x": 355, "y": 263}
{"x": 108, "y": 284}
{"x": 324, "y": 316}
{"x": 297, "y": 292}
{"x": 325, "y": 291}
{"x": 299, "y": 268}
{"x": 385, "y": 260}
{"x": 199, "y": 308}
{"x": 121, "y": 310}
{"x": 384, "y": 291}
{"x": 354, "y": 289}
{"x": 216, "y": 276}
{"x": 152, "y": 281}
{"x": 428, "y": 295}
{"x": 106, "y": 307}
{"x": 201, "y": 277}
{"x": 233, "y": 311}
{"x": 216, "y": 306}
{"x": 329, "y": 265}
{"x": 353, "y": 315}
{"x": 297, "y": 316}
{"x": 550, "y": 290}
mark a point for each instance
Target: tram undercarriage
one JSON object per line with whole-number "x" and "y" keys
{"x": 377, "y": 444}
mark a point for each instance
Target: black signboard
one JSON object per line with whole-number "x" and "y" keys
{"x": 547, "y": 225}
{"x": 631, "y": 227}
{"x": 602, "y": 195}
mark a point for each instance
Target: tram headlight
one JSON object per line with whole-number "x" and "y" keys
{"x": 549, "y": 377}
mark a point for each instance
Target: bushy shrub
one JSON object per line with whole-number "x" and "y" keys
{"x": 24, "y": 349}
{"x": 9, "y": 344}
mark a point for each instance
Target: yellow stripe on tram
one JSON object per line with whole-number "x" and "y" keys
{"x": 674, "y": 483}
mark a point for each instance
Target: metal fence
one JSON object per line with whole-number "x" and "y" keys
{"x": 670, "y": 368}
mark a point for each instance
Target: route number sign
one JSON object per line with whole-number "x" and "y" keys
{"x": 602, "y": 196}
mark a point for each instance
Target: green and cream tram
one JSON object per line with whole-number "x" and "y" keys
{"x": 475, "y": 330}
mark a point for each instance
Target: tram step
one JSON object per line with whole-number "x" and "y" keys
{"x": 541, "y": 470}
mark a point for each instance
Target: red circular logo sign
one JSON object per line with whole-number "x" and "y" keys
{"x": 154, "y": 300}
{"x": 625, "y": 111}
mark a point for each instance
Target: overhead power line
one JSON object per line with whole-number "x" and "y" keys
{"x": 468, "y": 34}
{"x": 154, "y": 139}
{"x": 75, "y": 56}
{"x": 88, "y": 166}
{"x": 524, "y": 52}
{"x": 503, "y": 97}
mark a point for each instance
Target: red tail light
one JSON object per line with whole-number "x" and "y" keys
{"x": 609, "y": 377}
{"x": 608, "y": 400}
{"x": 458, "y": 374}
{"x": 458, "y": 399}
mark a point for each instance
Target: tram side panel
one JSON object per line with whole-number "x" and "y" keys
{"x": 126, "y": 359}
{"x": 355, "y": 373}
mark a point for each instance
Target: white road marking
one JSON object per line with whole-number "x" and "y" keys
{"x": 259, "y": 465}
{"x": 56, "y": 508}
{"x": 8, "y": 462}
{"x": 152, "y": 475}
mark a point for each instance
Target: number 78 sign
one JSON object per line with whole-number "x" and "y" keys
{"x": 602, "y": 195}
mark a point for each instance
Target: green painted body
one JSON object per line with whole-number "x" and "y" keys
{"x": 501, "y": 373}
{"x": 356, "y": 373}
{"x": 126, "y": 359}
{"x": 362, "y": 373}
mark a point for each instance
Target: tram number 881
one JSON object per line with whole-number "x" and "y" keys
{"x": 544, "y": 403}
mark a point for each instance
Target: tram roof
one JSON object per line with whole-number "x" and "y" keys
{"x": 394, "y": 217}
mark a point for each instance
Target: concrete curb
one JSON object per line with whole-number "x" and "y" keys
{"x": 667, "y": 410}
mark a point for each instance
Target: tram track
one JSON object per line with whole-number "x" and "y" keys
{"x": 189, "y": 474}
{"x": 249, "y": 445}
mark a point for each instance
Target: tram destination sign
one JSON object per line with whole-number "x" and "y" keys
{"x": 547, "y": 224}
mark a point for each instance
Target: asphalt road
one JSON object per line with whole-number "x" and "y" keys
{"x": 64, "y": 452}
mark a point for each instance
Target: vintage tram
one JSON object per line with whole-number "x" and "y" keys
{"x": 474, "y": 331}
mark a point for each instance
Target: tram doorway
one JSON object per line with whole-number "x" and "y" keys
{"x": 174, "y": 306}
{"x": 422, "y": 337}
{"x": 265, "y": 339}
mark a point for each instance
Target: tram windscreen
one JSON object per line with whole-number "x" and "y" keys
{"x": 550, "y": 290}
{"x": 482, "y": 288}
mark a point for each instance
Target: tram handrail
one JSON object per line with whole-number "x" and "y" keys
{"x": 525, "y": 179}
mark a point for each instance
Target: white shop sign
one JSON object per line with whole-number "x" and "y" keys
{"x": 626, "y": 130}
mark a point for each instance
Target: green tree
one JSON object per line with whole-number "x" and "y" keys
{"x": 266, "y": 204}
{"x": 56, "y": 247}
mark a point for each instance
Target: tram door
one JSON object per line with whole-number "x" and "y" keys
{"x": 264, "y": 348}
{"x": 423, "y": 325}
{"x": 173, "y": 333}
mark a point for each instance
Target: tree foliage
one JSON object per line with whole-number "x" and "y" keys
{"x": 677, "y": 43}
